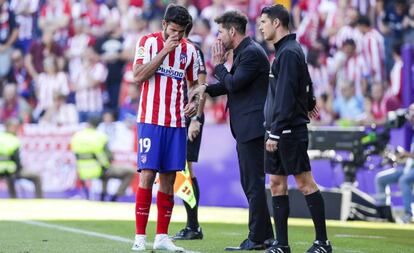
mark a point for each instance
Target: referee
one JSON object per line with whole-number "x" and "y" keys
{"x": 192, "y": 230}
{"x": 289, "y": 102}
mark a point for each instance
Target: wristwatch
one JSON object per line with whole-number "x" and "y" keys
{"x": 198, "y": 118}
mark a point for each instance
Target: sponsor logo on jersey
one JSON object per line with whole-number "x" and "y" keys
{"x": 177, "y": 74}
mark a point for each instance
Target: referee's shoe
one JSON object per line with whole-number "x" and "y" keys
{"x": 189, "y": 234}
{"x": 320, "y": 247}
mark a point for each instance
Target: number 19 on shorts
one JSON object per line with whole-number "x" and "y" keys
{"x": 144, "y": 145}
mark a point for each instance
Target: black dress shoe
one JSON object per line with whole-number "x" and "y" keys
{"x": 247, "y": 245}
{"x": 189, "y": 234}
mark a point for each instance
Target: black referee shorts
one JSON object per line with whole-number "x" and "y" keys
{"x": 193, "y": 147}
{"x": 291, "y": 156}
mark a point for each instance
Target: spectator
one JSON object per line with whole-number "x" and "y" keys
{"x": 212, "y": 11}
{"x": 21, "y": 77}
{"x": 318, "y": 72}
{"x": 55, "y": 16}
{"x": 13, "y": 106}
{"x": 76, "y": 47}
{"x": 41, "y": 49}
{"x": 109, "y": 48}
{"x": 348, "y": 106}
{"x": 404, "y": 176}
{"x": 9, "y": 30}
{"x": 88, "y": 85}
{"x": 372, "y": 49}
{"x": 25, "y": 11}
{"x": 347, "y": 64}
{"x": 60, "y": 113}
{"x": 349, "y": 31}
{"x": 408, "y": 24}
{"x": 48, "y": 84}
{"x": 391, "y": 26}
{"x": 377, "y": 105}
{"x": 92, "y": 14}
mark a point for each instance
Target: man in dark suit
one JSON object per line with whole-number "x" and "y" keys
{"x": 246, "y": 86}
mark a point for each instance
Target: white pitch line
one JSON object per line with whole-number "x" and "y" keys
{"x": 360, "y": 236}
{"x": 78, "y": 231}
{"x": 86, "y": 232}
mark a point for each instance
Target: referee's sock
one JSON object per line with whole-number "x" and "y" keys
{"x": 317, "y": 209}
{"x": 192, "y": 213}
{"x": 280, "y": 215}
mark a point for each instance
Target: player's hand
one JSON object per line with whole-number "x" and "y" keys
{"x": 191, "y": 109}
{"x": 219, "y": 53}
{"x": 271, "y": 145}
{"x": 194, "y": 129}
{"x": 171, "y": 43}
{"x": 314, "y": 113}
{"x": 199, "y": 91}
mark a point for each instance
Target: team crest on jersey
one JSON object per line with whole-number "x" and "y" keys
{"x": 143, "y": 158}
{"x": 183, "y": 58}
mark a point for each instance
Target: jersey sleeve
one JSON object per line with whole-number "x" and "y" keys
{"x": 142, "y": 51}
{"x": 192, "y": 69}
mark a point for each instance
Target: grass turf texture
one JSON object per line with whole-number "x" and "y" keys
{"x": 18, "y": 236}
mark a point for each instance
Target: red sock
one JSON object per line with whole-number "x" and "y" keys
{"x": 165, "y": 204}
{"x": 142, "y": 208}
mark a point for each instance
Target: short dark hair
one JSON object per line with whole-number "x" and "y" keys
{"x": 364, "y": 20}
{"x": 188, "y": 28}
{"x": 234, "y": 19}
{"x": 278, "y": 11}
{"x": 178, "y": 15}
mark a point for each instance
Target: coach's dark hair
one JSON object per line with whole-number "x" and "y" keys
{"x": 277, "y": 11}
{"x": 234, "y": 19}
{"x": 364, "y": 20}
{"x": 178, "y": 15}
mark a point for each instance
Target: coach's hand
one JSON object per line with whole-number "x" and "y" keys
{"x": 191, "y": 109}
{"x": 219, "y": 53}
{"x": 194, "y": 130}
{"x": 271, "y": 145}
{"x": 171, "y": 43}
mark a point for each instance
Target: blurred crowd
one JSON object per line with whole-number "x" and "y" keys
{"x": 63, "y": 61}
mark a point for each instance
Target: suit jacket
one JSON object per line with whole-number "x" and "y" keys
{"x": 246, "y": 87}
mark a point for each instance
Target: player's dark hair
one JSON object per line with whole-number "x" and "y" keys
{"x": 277, "y": 11}
{"x": 349, "y": 42}
{"x": 234, "y": 19}
{"x": 178, "y": 15}
{"x": 188, "y": 28}
{"x": 396, "y": 48}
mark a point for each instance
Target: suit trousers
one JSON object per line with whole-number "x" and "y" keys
{"x": 252, "y": 177}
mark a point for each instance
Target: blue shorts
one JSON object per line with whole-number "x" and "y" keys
{"x": 161, "y": 148}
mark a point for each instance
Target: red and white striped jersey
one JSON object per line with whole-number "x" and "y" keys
{"x": 47, "y": 86}
{"x": 320, "y": 79}
{"x": 356, "y": 70}
{"x": 396, "y": 79}
{"x": 162, "y": 95}
{"x": 374, "y": 53}
{"x": 348, "y": 32}
{"x": 89, "y": 97}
